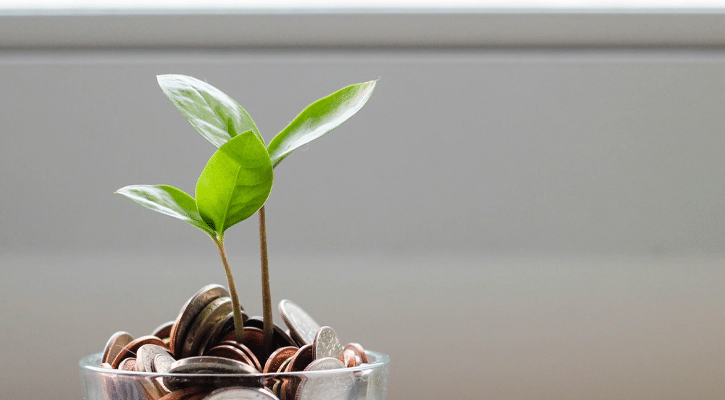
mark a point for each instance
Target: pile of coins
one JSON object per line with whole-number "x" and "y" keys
{"x": 202, "y": 341}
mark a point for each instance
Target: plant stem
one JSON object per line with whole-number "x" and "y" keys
{"x": 266, "y": 294}
{"x": 237, "y": 309}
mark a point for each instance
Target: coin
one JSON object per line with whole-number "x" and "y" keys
{"x": 325, "y": 363}
{"x": 145, "y": 356}
{"x": 280, "y": 338}
{"x": 106, "y": 365}
{"x": 255, "y": 361}
{"x": 229, "y": 351}
{"x": 237, "y": 393}
{"x": 203, "y": 324}
{"x": 223, "y": 327}
{"x": 163, "y": 331}
{"x": 349, "y": 358}
{"x": 189, "y": 311}
{"x": 115, "y": 344}
{"x": 301, "y": 359}
{"x": 283, "y": 367}
{"x": 254, "y": 340}
{"x": 327, "y": 388}
{"x": 326, "y": 344}
{"x": 359, "y": 351}
{"x": 278, "y": 357}
{"x": 210, "y": 365}
{"x": 128, "y": 364}
{"x": 131, "y": 348}
{"x": 183, "y": 394}
{"x": 162, "y": 363}
{"x": 302, "y": 327}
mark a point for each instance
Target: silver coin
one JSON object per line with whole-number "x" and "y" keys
{"x": 203, "y": 324}
{"x": 145, "y": 356}
{"x": 302, "y": 327}
{"x": 210, "y": 365}
{"x": 333, "y": 387}
{"x": 238, "y": 393}
{"x": 326, "y": 344}
{"x": 162, "y": 363}
{"x": 325, "y": 363}
{"x": 188, "y": 313}
{"x": 223, "y": 327}
{"x": 115, "y": 344}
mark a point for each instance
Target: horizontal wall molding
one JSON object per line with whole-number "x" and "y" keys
{"x": 365, "y": 30}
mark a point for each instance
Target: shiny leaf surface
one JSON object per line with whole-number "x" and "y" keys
{"x": 320, "y": 118}
{"x": 167, "y": 200}
{"x": 235, "y": 182}
{"x": 211, "y": 112}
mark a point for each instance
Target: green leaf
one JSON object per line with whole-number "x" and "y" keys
{"x": 235, "y": 182}
{"x": 167, "y": 200}
{"x": 319, "y": 118}
{"x": 211, "y": 112}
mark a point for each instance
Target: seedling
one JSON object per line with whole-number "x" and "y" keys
{"x": 237, "y": 180}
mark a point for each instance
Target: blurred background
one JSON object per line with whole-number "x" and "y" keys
{"x": 529, "y": 207}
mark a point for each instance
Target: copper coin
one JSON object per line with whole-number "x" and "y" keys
{"x": 283, "y": 367}
{"x": 203, "y": 324}
{"x": 255, "y": 361}
{"x": 349, "y": 358}
{"x": 128, "y": 364}
{"x": 188, "y": 313}
{"x": 162, "y": 363}
{"x": 238, "y": 393}
{"x": 254, "y": 341}
{"x": 145, "y": 356}
{"x": 228, "y": 351}
{"x": 131, "y": 348}
{"x": 280, "y": 338}
{"x": 359, "y": 351}
{"x": 302, "y": 327}
{"x": 210, "y": 365}
{"x": 163, "y": 331}
{"x": 115, "y": 344}
{"x": 326, "y": 344}
{"x": 106, "y": 365}
{"x": 301, "y": 359}
{"x": 278, "y": 357}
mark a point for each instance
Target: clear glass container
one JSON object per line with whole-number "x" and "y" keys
{"x": 365, "y": 382}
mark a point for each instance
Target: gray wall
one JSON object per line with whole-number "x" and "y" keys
{"x": 523, "y": 224}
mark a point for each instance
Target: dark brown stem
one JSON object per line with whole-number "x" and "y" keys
{"x": 237, "y": 309}
{"x": 266, "y": 294}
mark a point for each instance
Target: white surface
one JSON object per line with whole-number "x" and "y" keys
{"x": 356, "y": 4}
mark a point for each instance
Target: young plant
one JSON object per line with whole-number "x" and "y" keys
{"x": 219, "y": 119}
{"x": 232, "y": 187}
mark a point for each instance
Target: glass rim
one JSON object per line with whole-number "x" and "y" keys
{"x": 377, "y": 361}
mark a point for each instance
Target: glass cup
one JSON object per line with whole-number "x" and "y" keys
{"x": 365, "y": 382}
